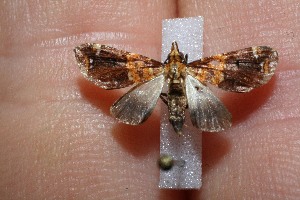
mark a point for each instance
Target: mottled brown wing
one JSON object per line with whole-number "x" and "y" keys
{"x": 110, "y": 68}
{"x": 236, "y": 71}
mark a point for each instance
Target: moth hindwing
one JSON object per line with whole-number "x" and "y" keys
{"x": 236, "y": 71}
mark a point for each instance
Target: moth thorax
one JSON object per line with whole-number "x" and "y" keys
{"x": 175, "y": 71}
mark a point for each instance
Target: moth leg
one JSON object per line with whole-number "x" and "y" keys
{"x": 163, "y": 97}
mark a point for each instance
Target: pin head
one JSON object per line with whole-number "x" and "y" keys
{"x": 165, "y": 162}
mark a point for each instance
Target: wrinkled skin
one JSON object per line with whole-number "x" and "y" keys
{"x": 58, "y": 140}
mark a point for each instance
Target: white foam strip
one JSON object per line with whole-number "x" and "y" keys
{"x": 188, "y": 33}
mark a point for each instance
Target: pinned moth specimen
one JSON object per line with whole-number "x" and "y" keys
{"x": 236, "y": 71}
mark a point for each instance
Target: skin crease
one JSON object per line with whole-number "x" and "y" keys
{"x": 58, "y": 140}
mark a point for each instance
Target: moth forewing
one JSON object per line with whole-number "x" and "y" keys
{"x": 237, "y": 71}
{"x": 111, "y": 68}
{"x": 138, "y": 103}
{"x": 207, "y": 112}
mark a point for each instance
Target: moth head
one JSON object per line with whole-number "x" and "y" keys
{"x": 175, "y": 54}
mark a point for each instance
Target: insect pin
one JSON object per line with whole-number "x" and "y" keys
{"x": 236, "y": 71}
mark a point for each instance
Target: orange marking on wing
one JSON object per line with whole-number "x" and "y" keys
{"x": 134, "y": 75}
{"x": 201, "y": 75}
{"x": 147, "y": 73}
{"x": 140, "y": 69}
{"x": 138, "y": 73}
{"x": 86, "y": 63}
{"x": 217, "y": 62}
{"x": 266, "y": 66}
{"x": 205, "y": 75}
{"x": 217, "y": 78}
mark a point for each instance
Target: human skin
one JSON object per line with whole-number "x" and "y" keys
{"x": 58, "y": 140}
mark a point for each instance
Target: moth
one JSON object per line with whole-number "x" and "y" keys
{"x": 236, "y": 71}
